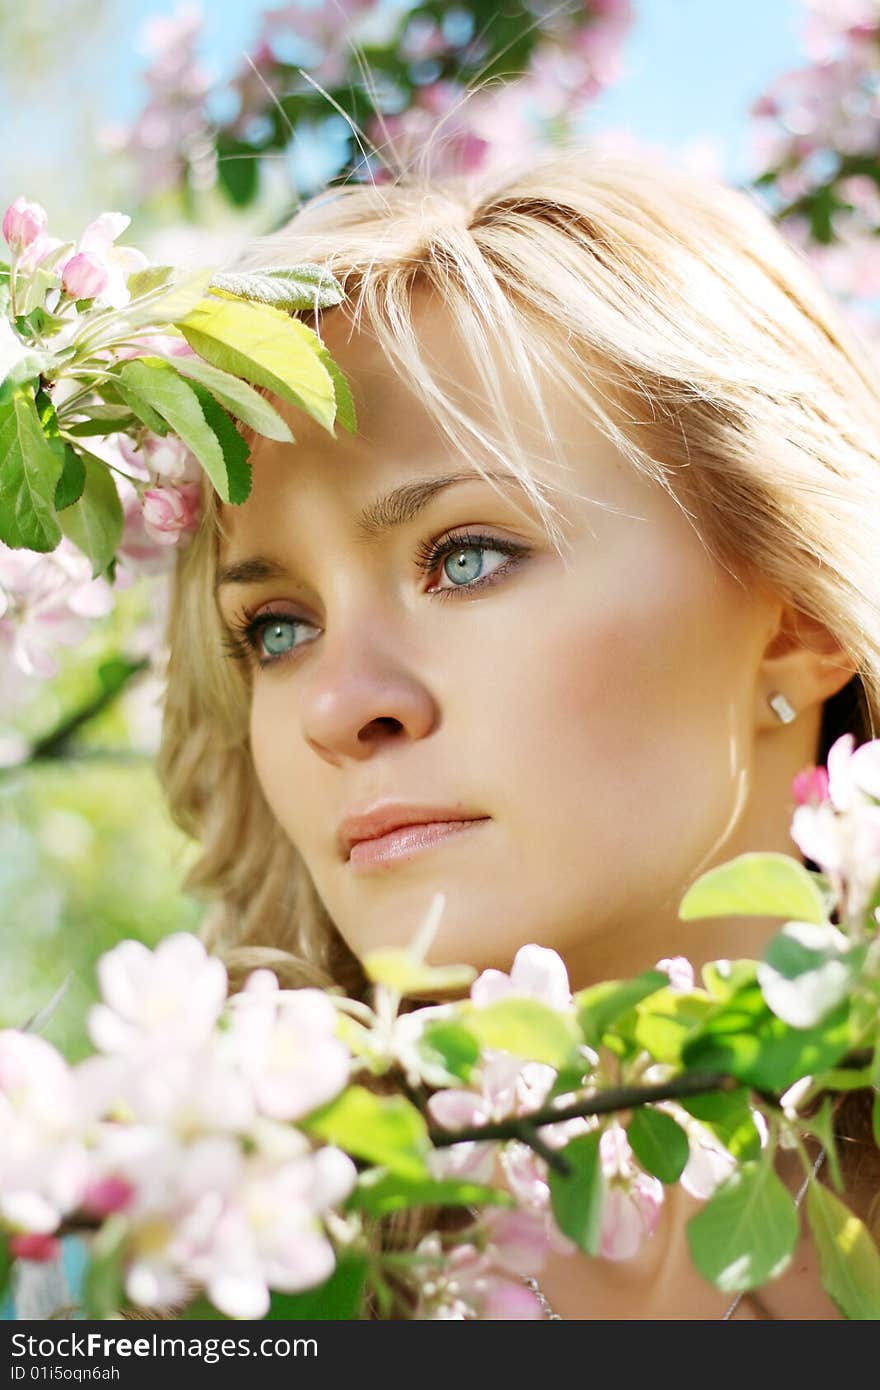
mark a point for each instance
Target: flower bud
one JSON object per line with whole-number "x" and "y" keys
{"x": 35, "y": 1247}
{"x": 23, "y": 222}
{"x": 170, "y": 513}
{"x": 810, "y": 786}
{"x": 83, "y": 276}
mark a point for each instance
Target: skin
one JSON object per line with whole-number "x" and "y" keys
{"x": 607, "y": 709}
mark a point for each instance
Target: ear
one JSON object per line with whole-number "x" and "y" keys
{"x": 804, "y": 661}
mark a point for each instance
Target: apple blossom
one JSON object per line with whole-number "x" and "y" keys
{"x": 632, "y": 1202}
{"x": 170, "y": 997}
{"x": 463, "y": 1284}
{"x": 285, "y": 1043}
{"x": 49, "y": 599}
{"x": 23, "y": 222}
{"x": 536, "y": 973}
{"x": 84, "y": 276}
{"x": 171, "y": 514}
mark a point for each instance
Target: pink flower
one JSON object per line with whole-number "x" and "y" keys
{"x": 107, "y": 1195}
{"x": 537, "y": 973}
{"x": 172, "y": 513}
{"x": 680, "y": 972}
{"x": 116, "y": 263}
{"x": 810, "y": 786}
{"x": 84, "y": 276}
{"x": 464, "y": 1285}
{"x": 23, "y": 222}
{"x": 631, "y": 1208}
{"x": 172, "y": 995}
{"x": 156, "y": 458}
{"x": 284, "y": 1041}
{"x": 42, "y": 1249}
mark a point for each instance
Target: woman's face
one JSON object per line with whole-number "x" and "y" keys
{"x": 597, "y": 710}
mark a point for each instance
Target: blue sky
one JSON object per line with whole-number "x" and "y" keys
{"x": 691, "y": 70}
{"x": 692, "y": 66}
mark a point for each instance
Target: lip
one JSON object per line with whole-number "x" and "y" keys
{"x": 381, "y": 818}
{"x": 384, "y": 851}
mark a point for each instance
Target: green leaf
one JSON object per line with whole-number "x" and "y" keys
{"x": 237, "y": 170}
{"x": 95, "y": 522}
{"x": 339, "y": 1298}
{"x": 402, "y": 971}
{"x": 755, "y": 884}
{"x": 139, "y": 406}
{"x": 29, "y": 474}
{"x": 70, "y": 485}
{"x": 39, "y": 283}
{"x": 848, "y": 1257}
{"x": 240, "y": 399}
{"x": 179, "y": 299}
{"x": 380, "y": 1193}
{"x": 747, "y": 1231}
{"x": 345, "y": 411}
{"x": 382, "y": 1129}
{"x": 452, "y": 1046}
{"x": 660, "y": 1145}
{"x": 806, "y": 971}
{"x": 300, "y": 287}
{"x": 267, "y": 348}
{"x": 5, "y": 1267}
{"x": 72, "y": 480}
{"x": 25, "y": 367}
{"x": 235, "y": 449}
{"x": 665, "y": 1021}
{"x": 601, "y": 1005}
{"x": 103, "y": 1292}
{"x": 723, "y": 978}
{"x": 124, "y": 423}
{"x": 525, "y": 1027}
{"x": 576, "y": 1200}
{"x": 178, "y": 404}
{"x": 152, "y": 277}
{"x": 744, "y": 1039}
{"x": 729, "y": 1117}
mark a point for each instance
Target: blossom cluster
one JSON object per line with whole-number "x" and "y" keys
{"x": 48, "y": 600}
{"x": 816, "y": 143}
{"x": 196, "y": 1140}
{"x": 182, "y": 1127}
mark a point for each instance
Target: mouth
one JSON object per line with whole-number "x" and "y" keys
{"x": 406, "y": 841}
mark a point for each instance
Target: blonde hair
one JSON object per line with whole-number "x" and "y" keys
{"x": 692, "y": 334}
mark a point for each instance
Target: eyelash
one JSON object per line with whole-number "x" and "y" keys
{"x": 243, "y": 641}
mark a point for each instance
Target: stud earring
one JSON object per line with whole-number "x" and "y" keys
{"x": 782, "y": 708}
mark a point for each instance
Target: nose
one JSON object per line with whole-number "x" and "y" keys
{"x": 362, "y": 692}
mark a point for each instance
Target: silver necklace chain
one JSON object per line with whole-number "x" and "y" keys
{"x": 550, "y": 1313}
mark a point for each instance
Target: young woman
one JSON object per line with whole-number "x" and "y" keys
{"x": 595, "y": 577}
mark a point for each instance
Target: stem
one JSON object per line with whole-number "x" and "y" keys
{"x": 555, "y": 1161}
{"x": 619, "y": 1098}
{"x": 13, "y": 275}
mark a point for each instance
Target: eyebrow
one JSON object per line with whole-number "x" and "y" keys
{"x": 394, "y": 509}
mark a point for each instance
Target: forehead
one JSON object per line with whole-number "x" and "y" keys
{"x": 319, "y": 478}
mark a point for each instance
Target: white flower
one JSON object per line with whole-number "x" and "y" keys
{"x": 167, "y": 998}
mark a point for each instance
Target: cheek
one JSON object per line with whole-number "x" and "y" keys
{"x": 271, "y": 728}
{"x": 626, "y": 720}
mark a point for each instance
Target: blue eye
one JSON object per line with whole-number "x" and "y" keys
{"x": 274, "y": 634}
{"x": 457, "y": 552}
{"x": 246, "y": 639}
{"x": 270, "y": 636}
